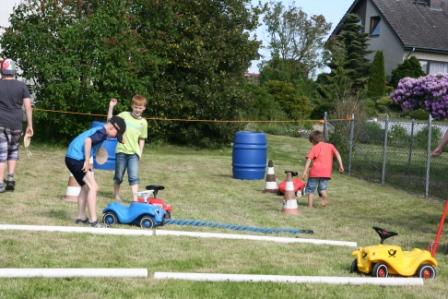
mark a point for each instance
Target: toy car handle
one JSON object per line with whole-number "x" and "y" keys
{"x": 145, "y": 194}
{"x": 155, "y": 188}
{"x": 384, "y": 234}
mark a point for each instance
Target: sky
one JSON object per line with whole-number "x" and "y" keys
{"x": 332, "y": 10}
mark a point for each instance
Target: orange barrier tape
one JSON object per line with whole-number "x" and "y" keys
{"x": 198, "y": 120}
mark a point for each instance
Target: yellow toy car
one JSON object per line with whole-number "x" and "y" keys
{"x": 382, "y": 260}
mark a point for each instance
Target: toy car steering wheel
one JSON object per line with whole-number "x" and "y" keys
{"x": 384, "y": 234}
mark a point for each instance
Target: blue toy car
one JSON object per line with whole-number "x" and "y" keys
{"x": 147, "y": 216}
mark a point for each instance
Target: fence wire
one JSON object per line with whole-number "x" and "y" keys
{"x": 396, "y": 153}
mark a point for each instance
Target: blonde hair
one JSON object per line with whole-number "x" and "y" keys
{"x": 138, "y": 100}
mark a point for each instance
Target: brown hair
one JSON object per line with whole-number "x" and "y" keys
{"x": 316, "y": 137}
{"x": 138, "y": 100}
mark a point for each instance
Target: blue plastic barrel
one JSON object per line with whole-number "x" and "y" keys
{"x": 249, "y": 155}
{"x": 109, "y": 144}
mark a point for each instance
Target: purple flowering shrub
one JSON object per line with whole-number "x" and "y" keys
{"x": 429, "y": 93}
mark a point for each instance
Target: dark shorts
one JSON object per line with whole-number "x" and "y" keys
{"x": 75, "y": 167}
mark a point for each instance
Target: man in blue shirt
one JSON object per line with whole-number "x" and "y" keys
{"x": 77, "y": 160}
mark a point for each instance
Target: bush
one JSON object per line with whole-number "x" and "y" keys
{"x": 421, "y": 138}
{"x": 398, "y": 136}
{"x": 409, "y": 68}
{"x": 372, "y": 133}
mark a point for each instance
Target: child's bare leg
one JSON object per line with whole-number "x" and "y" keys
{"x": 134, "y": 190}
{"x": 91, "y": 195}
{"x": 324, "y": 198}
{"x": 82, "y": 202}
{"x": 310, "y": 200}
{"x": 117, "y": 191}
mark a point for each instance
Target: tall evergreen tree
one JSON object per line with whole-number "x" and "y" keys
{"x": 377, "y": 77}
{"x": 355, "y": 41}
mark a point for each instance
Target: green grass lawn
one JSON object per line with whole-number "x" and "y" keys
{"x": 199, "y": 185}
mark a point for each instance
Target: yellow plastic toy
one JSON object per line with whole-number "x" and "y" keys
{"x": 382, "y": 260}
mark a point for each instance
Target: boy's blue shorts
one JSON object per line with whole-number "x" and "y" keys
{"x": 312, "y": 184}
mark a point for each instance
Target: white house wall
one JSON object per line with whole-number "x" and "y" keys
{"x": 387, "y": 41}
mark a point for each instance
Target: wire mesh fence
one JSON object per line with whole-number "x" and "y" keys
{"x": 398, "y": 153}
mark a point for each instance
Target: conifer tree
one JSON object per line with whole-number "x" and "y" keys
{"x": 377, "y": 77}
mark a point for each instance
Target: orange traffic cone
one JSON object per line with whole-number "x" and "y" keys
{"x": 73, "y": 189}
{"x": 271, "y": 181}
{"x": 290, "y": 206}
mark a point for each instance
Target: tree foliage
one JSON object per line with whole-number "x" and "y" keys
{"x": 188, "y": 57}
{"x": 296, "y": 37}
{"x": 294, "y": 105}
{"x": 355, "y": 43}
{"x": 376, "y": 87}
{"x": 409, "y": 68}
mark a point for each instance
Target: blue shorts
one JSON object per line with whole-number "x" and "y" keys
{"x": 129, "y": 163}
{"x": 312, "y": 184}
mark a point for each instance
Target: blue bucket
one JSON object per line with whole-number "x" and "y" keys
{"x": 249, "y": 155}
{"x": 109, "y": 145}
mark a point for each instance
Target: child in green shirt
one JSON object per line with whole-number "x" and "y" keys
{"x": 129, "y": 153}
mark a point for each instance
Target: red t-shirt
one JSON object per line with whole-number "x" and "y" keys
{"x": 322, "y": 156}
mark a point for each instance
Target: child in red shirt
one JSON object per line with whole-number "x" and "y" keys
{"x": 319, "y": 163}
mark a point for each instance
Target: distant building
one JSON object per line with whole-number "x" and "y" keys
{"x": 253, "y": 78}
{"x": 404, "y": 28}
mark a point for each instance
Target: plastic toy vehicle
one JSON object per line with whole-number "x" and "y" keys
{"x": 150, "y": 196}
{"x": 143, "y": 214}
{"x": 382, "y": 260}
{"x": 298, "y": 183}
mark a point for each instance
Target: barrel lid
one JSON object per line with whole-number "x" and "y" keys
{"x": 250, "y": 137}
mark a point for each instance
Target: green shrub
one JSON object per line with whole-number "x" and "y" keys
{"x": 419, "y": 114}
{"x": 421, "y": 138}
{"x": 371, "y": 133}
{"x": 398, "y": 136}
{"x": 409, "y": 68}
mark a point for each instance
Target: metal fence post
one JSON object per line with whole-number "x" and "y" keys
{"x": 350, "y": 144}
{"x": 411, "y": 145}
{"x": 325, "y": 126}
{"x": 386, "y": 131}
{"x": 428, "y": 155}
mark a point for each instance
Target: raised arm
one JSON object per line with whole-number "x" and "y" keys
{"x": 112, "y": 104}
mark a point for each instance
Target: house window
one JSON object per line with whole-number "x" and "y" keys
{"x": 436, "y": 67}
{"x": 375, "y": 28}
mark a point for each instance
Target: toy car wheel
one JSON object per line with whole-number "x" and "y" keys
{"x": 109, "y": 218}
{"x": 147, "y": 222}
{"x": 354, "y": 266}
{"x": 380, "y": 270}
{"x": 426, "y": 272}
{"x": 168, "y": 215}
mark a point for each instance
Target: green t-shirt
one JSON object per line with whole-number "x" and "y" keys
{"x": 136, "y": 129}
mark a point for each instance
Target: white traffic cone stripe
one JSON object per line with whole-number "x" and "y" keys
{"x": 72, "y": 191}
{"x": 289, "y": 186}
{"x": 271, "y": 185}
{"x": 271, "y": 170}
{"x": 291, "y": 204}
